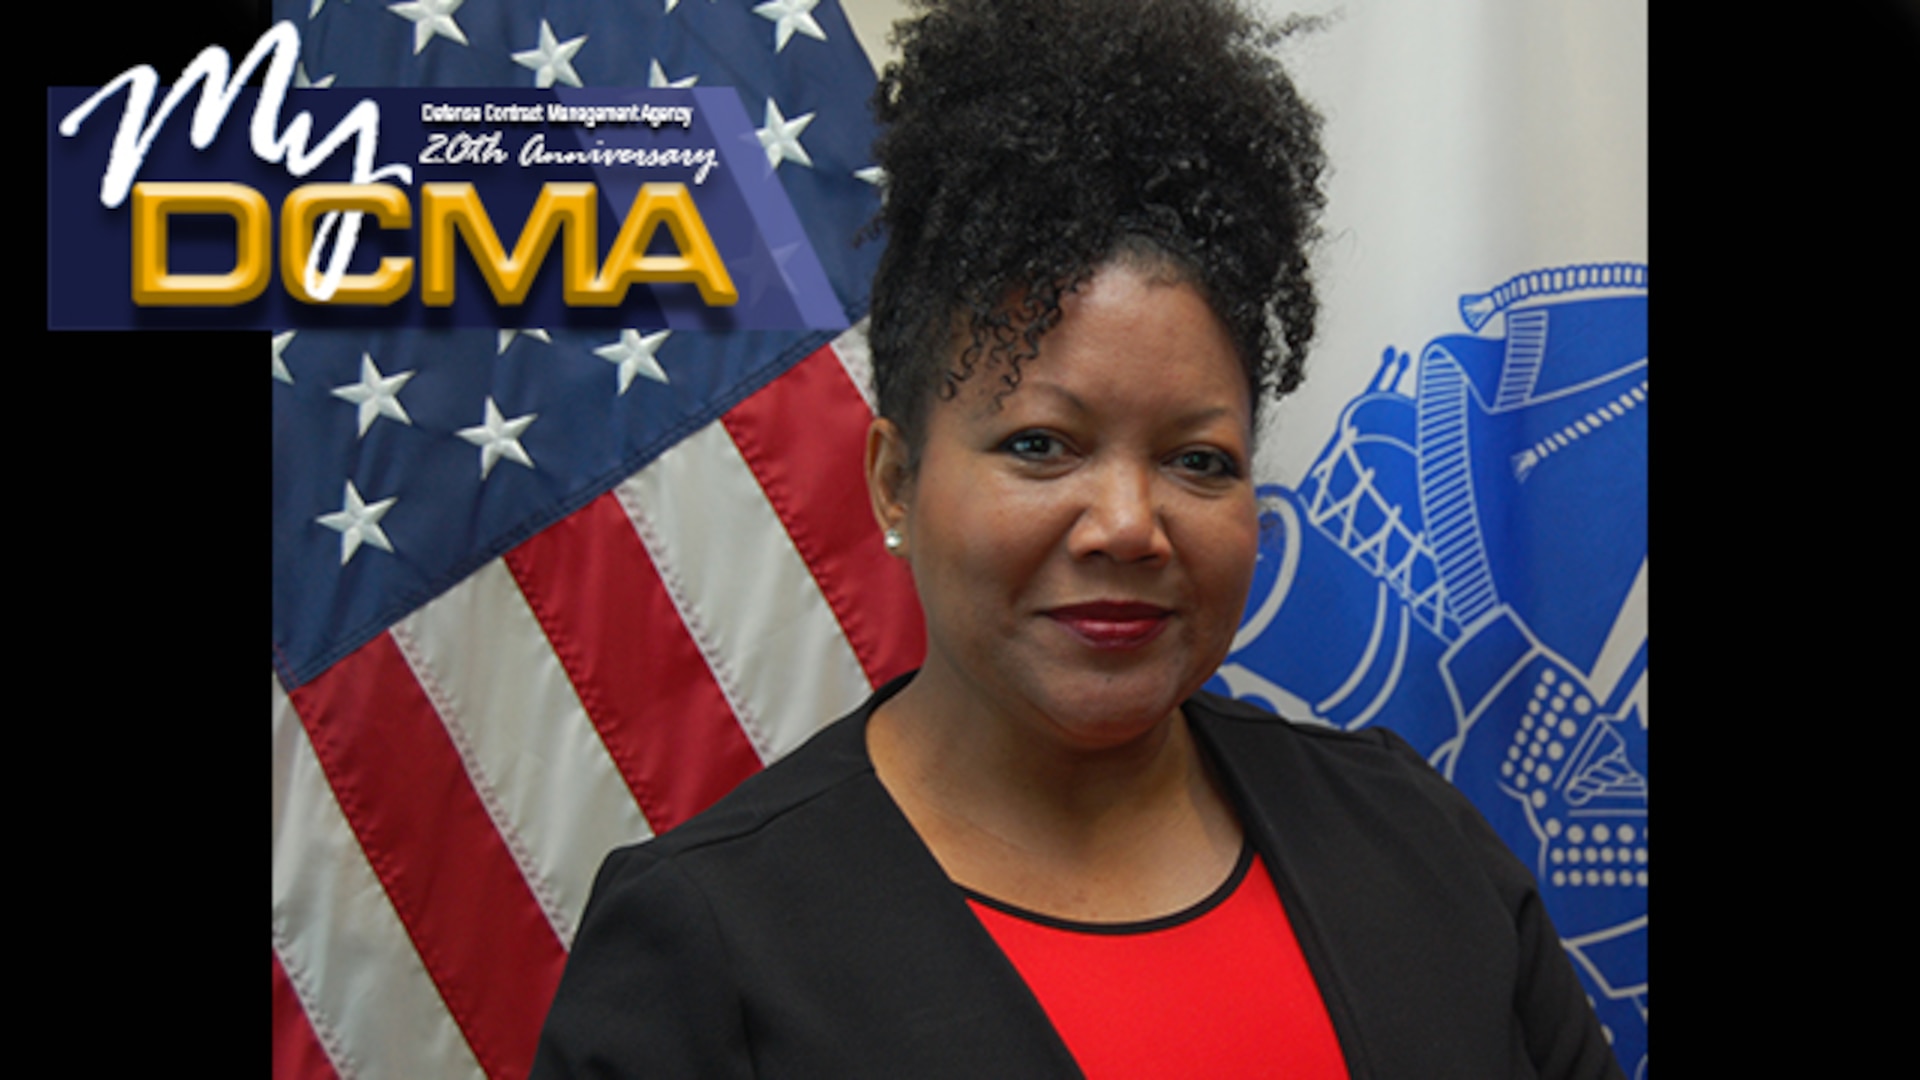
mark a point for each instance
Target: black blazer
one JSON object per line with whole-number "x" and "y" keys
{"x": 799, "y": 928}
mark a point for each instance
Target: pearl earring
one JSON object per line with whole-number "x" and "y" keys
{"x": 894, "y": 541}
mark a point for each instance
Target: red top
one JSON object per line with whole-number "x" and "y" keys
{"x": 1217, "y": 990}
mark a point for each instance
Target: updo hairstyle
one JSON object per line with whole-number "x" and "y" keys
{"x": 1027, "y": 143}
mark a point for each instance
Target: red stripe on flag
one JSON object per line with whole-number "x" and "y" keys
{"x": 400, "y": 782}
{"x": 804, "y": 437}
{"x": 639, "y": 674}
{"x": 297, "y": 1053}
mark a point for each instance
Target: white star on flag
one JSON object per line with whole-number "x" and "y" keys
{"x": 657, "y": 78}
{"x": 498, "y": 437}
{"x": 302, "y": 81}
{"x": 788, "y": 16}
{"x": 551, "y": 59}
{"x": 507, "y": 336}
{"x": 377, "y": 395}
{"x": 781, "y": 137}
{"x": 431, "y": 17}
{"x": 280, "y": 343}
{"x": 358, "y": 523}
{"x": 634, "y": 356}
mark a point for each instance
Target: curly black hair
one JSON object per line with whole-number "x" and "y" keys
{"x": 1026, "y": 143}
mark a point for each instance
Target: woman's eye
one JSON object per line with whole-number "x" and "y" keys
{"x": 1207, "y": 463}
{"x": 1033, "y": 445}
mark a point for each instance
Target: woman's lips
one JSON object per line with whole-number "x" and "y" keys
{"x": 1109, "y": 624}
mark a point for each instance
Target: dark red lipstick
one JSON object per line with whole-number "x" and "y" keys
{"x": 1113, "y": 624}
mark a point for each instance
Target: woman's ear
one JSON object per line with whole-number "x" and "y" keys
{"x": 889, "y": 480}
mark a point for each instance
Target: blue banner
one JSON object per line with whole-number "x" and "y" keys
{"x": 1466, "y": 563}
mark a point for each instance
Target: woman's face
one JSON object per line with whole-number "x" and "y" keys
{"x": 1083, "y": 549}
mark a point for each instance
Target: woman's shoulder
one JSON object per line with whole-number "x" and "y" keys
{"x": 1240, "y": 720}
{"x": 822, "y": 791}
{"x": 1314, "y": 762}
{"x": 834, "y": 757}
{"x": 831, "y": 759}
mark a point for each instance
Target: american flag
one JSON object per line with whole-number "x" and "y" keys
{"x": 539, "y": 593}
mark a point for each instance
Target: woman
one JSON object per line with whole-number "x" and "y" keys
{"x": 1045, "y": 853}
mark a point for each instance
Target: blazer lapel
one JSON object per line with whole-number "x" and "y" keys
{"x": 927, "y": 994}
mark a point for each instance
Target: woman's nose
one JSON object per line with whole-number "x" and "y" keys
{"x": 1121, "y": 520}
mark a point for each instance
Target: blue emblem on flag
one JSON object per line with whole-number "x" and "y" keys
{"x": 1466, "y": 563}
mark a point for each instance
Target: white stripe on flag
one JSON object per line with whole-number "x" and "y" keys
{"x": 851, "y": 348}
{"x": 746, "y": 596}
{"x": 535, "y": 758}
{"x": 344, "y": 949}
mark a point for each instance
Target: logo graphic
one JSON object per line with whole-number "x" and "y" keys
{"x": 1466, "y": 563}
{"x": 619, "y": 208}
